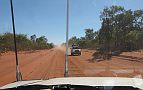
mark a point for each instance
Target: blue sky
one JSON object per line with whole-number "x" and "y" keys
{"x": 48, "y": 17}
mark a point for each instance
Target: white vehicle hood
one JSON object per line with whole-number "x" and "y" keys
{"x": 86, "y": 81}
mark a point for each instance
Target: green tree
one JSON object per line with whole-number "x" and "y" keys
{"x": 42, "y": 42}
{"x": 73, "y": 40}
{"x": 23, "y": 42}
{"x": 33, "y": 38}
{"x": 89, "y": 34}
{"x": 7, "y": 41}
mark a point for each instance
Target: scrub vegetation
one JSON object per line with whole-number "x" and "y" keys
{"x": 121, "y": 30}
{"x": 23, "y": 42}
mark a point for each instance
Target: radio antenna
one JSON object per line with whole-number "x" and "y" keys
{"x": 67, "y": 30}
{"x": 18, "y": 73}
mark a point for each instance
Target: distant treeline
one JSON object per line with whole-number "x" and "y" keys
{"x": 120, "y": 30}
{"x": 23, "y": 42}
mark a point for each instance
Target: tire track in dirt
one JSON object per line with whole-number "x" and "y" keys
{"x": 39, "y": 66}
{"x": 23, "y": 61}
{"x": 48, "y": 70}
{"x": 47, "y": 64}
{"x": 10, "y": 75}
{"x": 10, "y": 58}
{"x": 57, "y": 61}
{"x": 75, "y": 69}
{"x": 60, "y": 64}
{"x": 92, "y": 69}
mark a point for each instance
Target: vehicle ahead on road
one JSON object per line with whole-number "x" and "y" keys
{"x": 86, "y": 83}
{"x": 75, "y": 50}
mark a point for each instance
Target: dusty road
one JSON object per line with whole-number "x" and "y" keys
{"x": 46, "y": 64}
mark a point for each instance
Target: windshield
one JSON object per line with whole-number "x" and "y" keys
{"x": 44, "y": 39}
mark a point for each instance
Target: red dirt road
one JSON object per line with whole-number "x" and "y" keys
{"x": 47, "y": 64}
